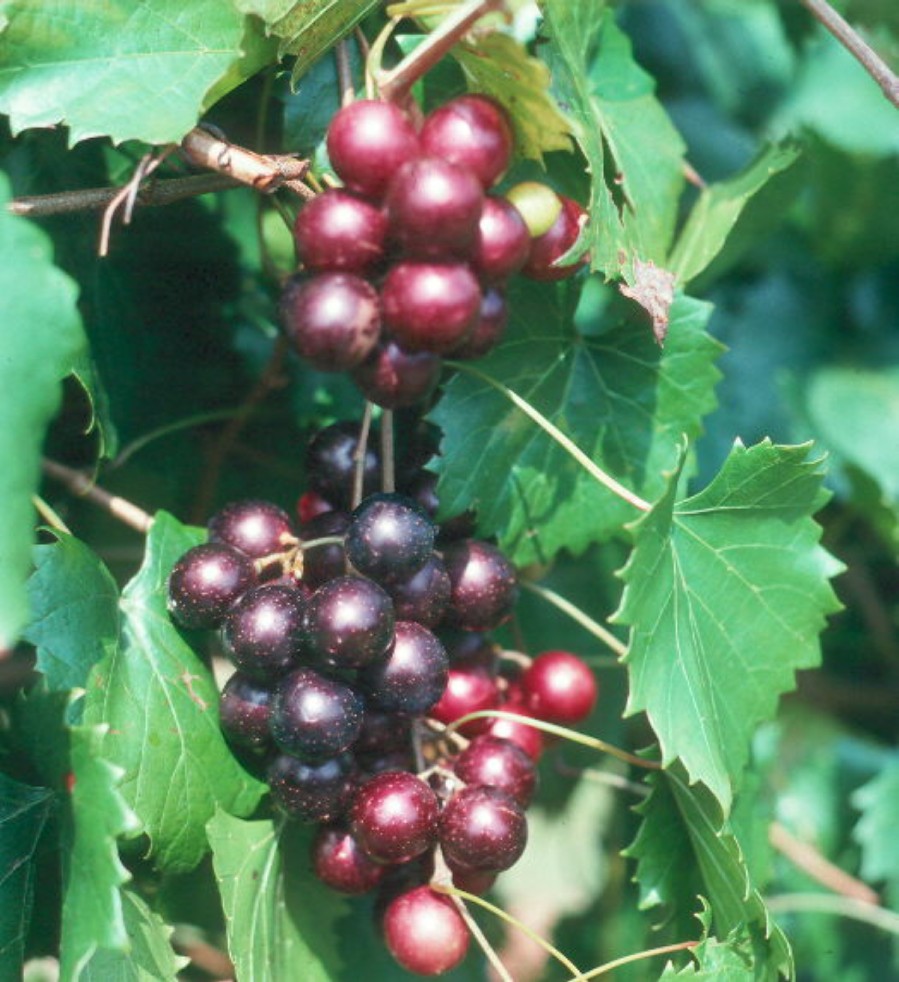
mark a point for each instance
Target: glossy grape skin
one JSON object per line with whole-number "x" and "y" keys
{"x": 330, "y": 465}
{"x": 413, "y": 676}
{"x": 528, "y": 737}
{"x": 553, "y": 244}
{"x": 338, "y": 231}
{"x": 484, "y": 585}
{"x": 482, "y": 829}
{"x": 489, "y": 329}
{"x": 424, "y": 596}
{"x": 312, "y": 792}
{"x": 206, "y": 581}
{"x": 430, "y": 306}
{"x": 502, "y": 243}
{"x": 263, "y": 633}
{"x": 472, "y": 131}
{"x": 333, "y": 319}
{"x": 390, "y": 537}
{"x": 394, "y": 817}
{"x": 245, "y": 708}
{"x": 393, "y": 378}
{"x": 254, "y": 527}
{"x": 349, "y": 622}
{"x": 469, "y": 689}
{"x": 340, "y": 863}
{"x": 559, "y": 688}
{"x": 324, "y": 562}
{"x": 424, "y": 932}
{"x": 491, "y": 762}
{"x": 368, "y": 141}
{"x": 314, "y": 717}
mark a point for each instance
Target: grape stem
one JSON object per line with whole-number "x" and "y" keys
{"x": 388, "y": 454}
{"x": 49, "y": 514}
{"x": 359, "y": 456}
{"x": 667, "y": 949}
{"x": 84, "y": 487}
{"x": 551, "y": 430}
{"x": 344, "y": 73}
{"x": 578, "y": 615}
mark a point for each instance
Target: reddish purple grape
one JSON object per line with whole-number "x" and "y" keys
{"x": 332, "y": 319}
{"x": 434, "y": 208}
{"x": 389, "y": 537}
{"x": 473, "y": 881}
{"x": 553, "y": 244}
{"x": 318, "y": 792}
{"x": 413, "y": 676}
{"x": 472, "y": 131}
{"x": 424, "y": 932}
{"x": 244, "y": 711}
{"x": 310, "y": 505}
{"x": 484, "y": 585}
{"x": 503, "y": 242}
{"x": 495, "y": 763}
{"x": 393, "y": 378}
{"x": 394, "y": 817}
{"x": 482, "y": 829}
{"x": 469, "y": 689}
{"x": 340, "y": 863}
{"x": 424, "y": 596}
{"x": 257, "y": 528}
{"x": 340, "y": 232}
{"x": 529, "y": 738}
{"x": 263, "y": 633}
{"x": 206, "y": 581}
{"x": 559, "y": 688}
{"x": 330, "y": 463}
{"x": 368, "y": 141}
{"x": 324, "y": 562}
{"x": 349, "y": 622}
{"x": 314, "y": 717}
{"x": 430, "y": 306}
{"x": 488, "y": 331}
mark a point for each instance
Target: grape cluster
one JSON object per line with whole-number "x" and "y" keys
{"x": 408, "y": 261}
{"x": 357, "y": 636}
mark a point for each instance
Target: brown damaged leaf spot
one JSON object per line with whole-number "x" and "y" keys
{"x": 188, "y": 681}
{"x": 653, "y": 289}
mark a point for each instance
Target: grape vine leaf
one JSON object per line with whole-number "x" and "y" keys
{"x": 878, "y": 802}
{"x": 118, "y": 69}
{"x": 150, "y": 958}
{"x": 501, "y": 67}
{"x": 718, "y": 961}
{"x": 719, "y": 206}
{"x": 685, "y": 850}
{"x": 279, "y": 918}
{"x": 24, "y": 813}
{"x": 161, "y": 704}
{"x": 42, "y": 338}
{"x": 624, "y": 401}
{"x": 725, "y": 593}
{"x": 74, "y": 611}
{"x": 92, "y": 916}
{"x": 621, "y": 128}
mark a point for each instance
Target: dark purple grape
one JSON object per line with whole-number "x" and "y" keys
{"x": 434, "y": 207}
{"x": 349, "y": 622}
{"x": 413, "y": 676}
{"x": 394, "y": 817}
{"x": 503, "y": 242}
{"x": 332, "y": 319}
{"x": 330, "y": 463}
{"x": 392, "y": 378}
{"x": 263, "y": 632}
{"x": 430, "y": 306}
{"x": 553, "y": 244}
{"x": 472, "y": 131}
{"x": 206, "y": 581}
{"x": 324, "y": 562}
{"x": 244, "y": 711}
{"x": 389, "y": 538}
{"x": 340, "y": 232}
{"x": 484, "y": 585}
{"x": 340, "y": 862}
{"x": 488, "y": 331}
{"x": 368, "y": 141}
{"x": 424, "y": 596}
{"x": 382, "y": 732}
{"x": 314, "y": 717}
{"x": 257, "y": 528}
{"x": 482, "y": 829}
{"x": 467, "y": 649}
{"x": 319, "y": 792}
{"x": 491, "y": 762}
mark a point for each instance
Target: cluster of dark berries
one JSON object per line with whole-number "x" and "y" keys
{"x": 358, "y": 637}
{"x": 408, "y": 261}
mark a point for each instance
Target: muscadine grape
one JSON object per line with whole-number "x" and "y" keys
{"x": 390, "y": 537}
{"x": 492, "y": 762}
{"x": 519, "y": 732}
{"x": 502, "y": 243}
{"x": 314, "y": 717}
{"x": 469, "y": 689}
{"x": 206, "y": 581}
{"x": 393, "y": 378}
{"x": 558, "y": 687}
{"x": 394, "y": 817}
{"x": 482, "y": 829}
{"x": 537, "y": 204}
{"x": 257, "y": 528}
{"x": 489, "y": 329}
{"x": 326, "y": 561}
{"x": 424, "y": 596}
{"x": 484, "y": 586}
{"x": 338, "y": 231}
{"x": 330, "y": 463}
{"x": 424, "y": 932}
{"x": 244, "y": 711}
{"x": 349, "y": 622}
{"x": 318, "y": 792}
{"x": 340, "y": 862}
{"x": 412, "y": 677}
{"x": 554, "y": 243}
{"x": 263, "y": 633}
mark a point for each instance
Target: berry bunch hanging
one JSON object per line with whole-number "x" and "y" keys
{"x": 360, "y": 639}
{"x": 408, "y": 261}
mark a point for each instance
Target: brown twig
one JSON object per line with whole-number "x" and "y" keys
{"x": 807, "y": 858}
{"x": 188, "y": 942}
{"x": 127, "y": 196}
{"x": 388, "y": 456}
{"x": 359, "y": 456}
{"x": 84, "y": 487}
{"x": 853, "y": 42}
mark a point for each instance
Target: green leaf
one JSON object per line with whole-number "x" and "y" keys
{"x": 92, "y": 916}
{"x": 150, "y": 958}
{"x": 726, "y": 592}
{"x": 280, "y": 919}
{"x": 718, "y": 961}
{"x": 718, "y": 208}
{"x": 685, "y": 849}
{"x": 75, "y": 615}
{"x": 878, "y": 802}
{"x": 624, "y": 401}
{"x": 118, "y": 69}
{"x": 24, "y": 812}
{"x": 501, "y": 67}
{"x": 633, "y": 151}
{"x": 42, "y": 338}
{"x": 86, "y": 372}
{"x": 161, "y": 705}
